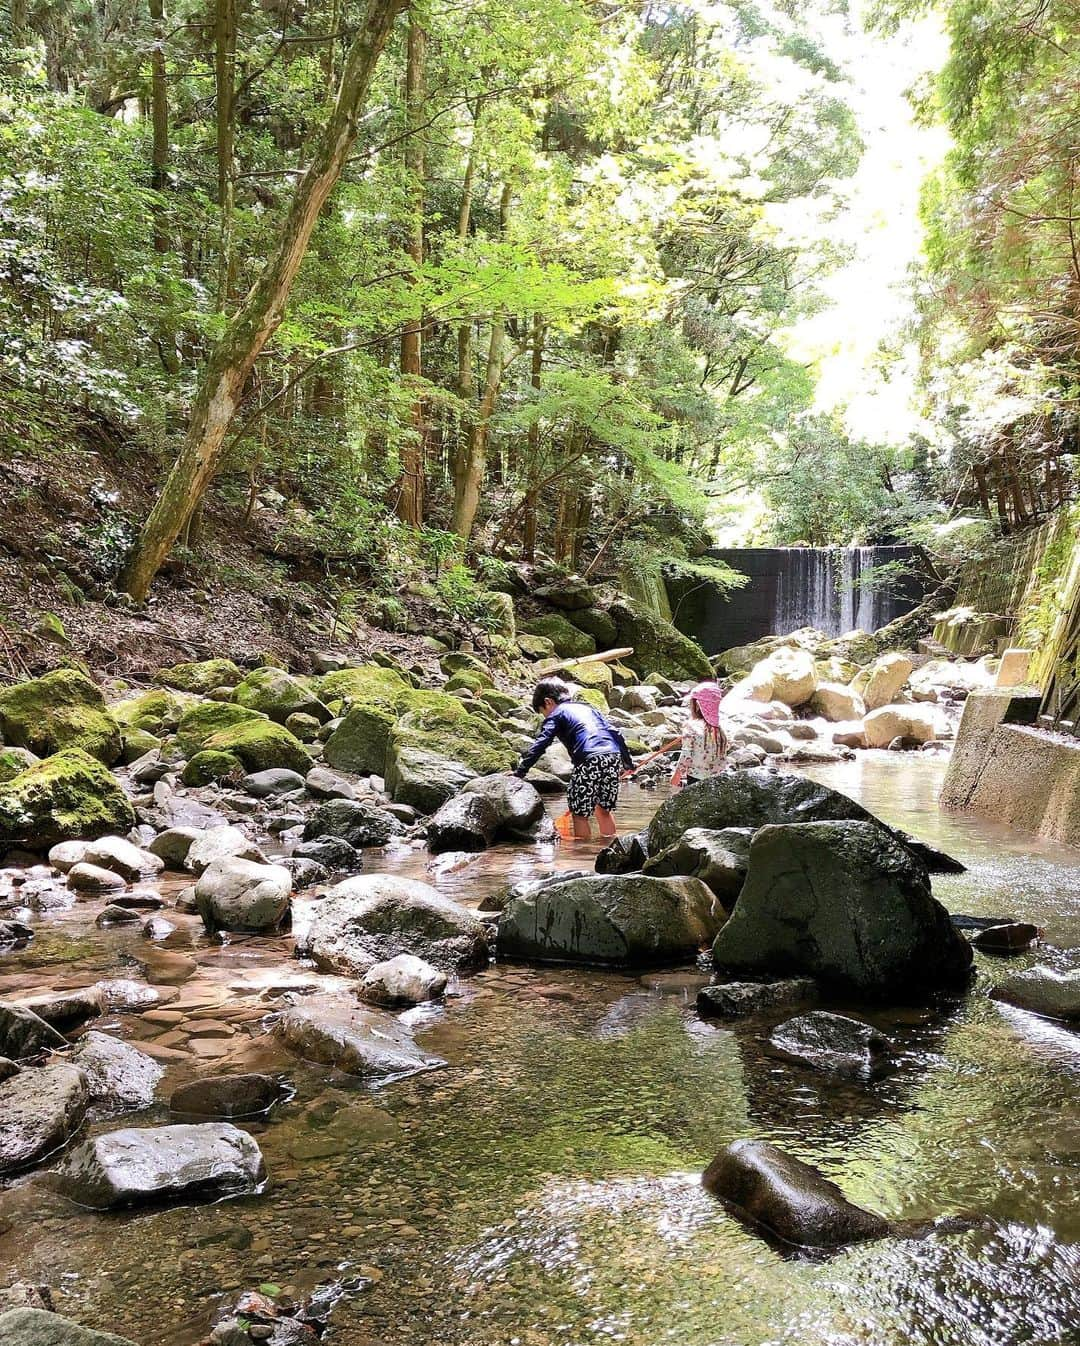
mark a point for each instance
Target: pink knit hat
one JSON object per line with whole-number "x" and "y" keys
{"x": 707, "y": 697}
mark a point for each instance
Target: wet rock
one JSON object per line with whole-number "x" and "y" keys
{"x": 118, "y": 1075}
{"x": 201, "y": 1162}
{"x": 1042, "y": 990}
{"x": 114, "y": 914}
{"x": 65, "y": 855}
{"x": 788, "y": 1198}
{"x": 241, "y": 895}
{"x": 225, "y": 1096}
{"x": 140, "y": 901}
{"x": 333, "y": 854}
{"x": 326, "y": 784}
{"x": 305, "y": 872}
{"x": 277, "y": 781}
{"x": 173, "y": 844}
{"x": 24, "y": 1034}
{"x": 886, "y": 676}
{"x": 464, "y": 823}
{"x": 836, "y": 702}
{"x": 39, "y": 1327}
{"x": 613, "y": 920}
{"x": 732, "y": 999}
{"x": 123, "y": 996}
{"x": 375, "y": 917}
{"x": 919, "y": 724}
{"x": 158, "y": 928}
{"x": 357, "y": 823}
{"x": 121, "y": 857}
{"x": 404, "y": 980}
{"x": 834, "y": 1042}
{"x": 1009, "y": 937}
{"x": 221, "y": 843}
{"x": 65, "y": 1010}
{"x": 46, "y": 895}
{"x": 718, "y": 858}
{"x": 364, "y": 1042}
{"x": 14, "y": 935}
{"x": 625, "y": 854}
{"x": 40, "y": 1109}
{"x": 87, "y": 878}
{"x": 519, "y": 809}
{"x": 846, "y": 904}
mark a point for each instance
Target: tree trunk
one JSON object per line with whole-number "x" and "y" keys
{"x": 532, "y": 466}
{"x": 260, "y": 314}
{"x": 410, "y": 506}
{"x": 469, "y": 477}
{"x": 464, "y": 333}
{"x": 225, "y": 86}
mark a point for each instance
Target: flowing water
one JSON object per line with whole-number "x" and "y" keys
{"x": 543, "y": 1188}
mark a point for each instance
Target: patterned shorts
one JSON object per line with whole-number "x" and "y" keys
{"x": 594, "y": 783}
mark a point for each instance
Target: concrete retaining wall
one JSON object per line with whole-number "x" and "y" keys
{"x": 1013, "y": 772}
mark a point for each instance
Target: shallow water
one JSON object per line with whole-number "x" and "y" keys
{"x": 543, "y": 1188}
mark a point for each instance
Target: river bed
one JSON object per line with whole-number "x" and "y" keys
{"x": 543, "y": 1188}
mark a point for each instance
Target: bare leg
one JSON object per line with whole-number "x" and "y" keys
{"x": 606, "y": 822}
{"x": 582, "y": 828}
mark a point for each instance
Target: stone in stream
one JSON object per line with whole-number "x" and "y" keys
{"x": 366, "y": 920}
{"x": 404, "y": 980}
{"x": 240, "y": 895}
{"x": 118, "y": 1075}
{"x": 225, "y": 1096}
{"x": 845, "y": 903}
{"x": 625, "y": 855}
{"x": 464, "y": 823}
{"x": 14, "y": 934}
{"x": 305, "y": 872}
{"x": 158, "y": 928}
{"x": 1043, "y": 991}
{"x": 65, "y": 855}
{"x": 834, "y": 1042}
{"x": 609, "y": 920}
{"x": 1008, "y": 937}
{"x": 120, "y": 995}
{"x": 40, "y": 1327}
{"x": 276, "y": 781}
{"x": 63, "y": 798}
{"x": 220, "y": 843}
{"x": 330, "y": 853}
{"x": 173, "y": 845}
{"x": 787, "y": 1198}
{"x": 87, "y": 878}
{"x": 357, "y": 823}
{"x": 24, "y": 1034}
{"x": 120, "y": 856}
{"x": 64, "y": 1010}
{"x": 8, "y": 1068}
{"x": 326, "y": 784}
{"x": 519, "y": 809}
{"x": 201, "y": 1162}
{"x": 733, "y": 999}
{"x": 114, "y": 914}
{"x": 718, "y": 858}
{"x": 364, "y": 1042}
{"x": 40, "y": 1109}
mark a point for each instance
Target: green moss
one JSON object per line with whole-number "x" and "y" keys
{"x": 466, "y": 682}
{"x": 260, "y": 744}
{"x": 498, "y": 701}
{"x": 211, "y": 765}
{"x": 590, "y": 675}
{"x": 597, "y": 623}
{"x": 61, "y": 710}
{"x": 278, "y": 694}
{"x": 592, "y": 696}
{"x": 377, "y": 697}
{"x": 368, "y": 683}
{"x": 70, "y": 795}
{"x": 569, "y": 642}
{"x": 201, "y": 677}
{"x": 136, "y": 743}
{"x": 657, "y": 644}
{"x": 14, "y": 761}
{"x": 199, "y": 724}
{"x": 535, "y": 647}
{"x": 157, "y": 711}
{"x": 436, "y": 747}
{"x": 460, "y": 661}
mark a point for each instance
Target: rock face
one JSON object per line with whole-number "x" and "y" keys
{"x": 38, "y": 1327}
{"x": 834, "y": 1042}
{"x": 224, "y": 1096}
{"x": 1054, "y": 995}
{"x": 403, "y": 980}
{"x": 118, "y": 1075}
{"x": 718, "y": 858}
{"x": 242, "y": 895}
{"x": 203, "y": 1162}
{"x": 788, "y": 1198}
{"x": 357, "y": 823}
{"x": 61, "y": 710}
{"x": 609, "y": 920}
{"x": 39, "y": 1111}
{"x": 375, "y": 917}
{"x": 67, "y": 796}
{"x": 845, "y": 903}
{"x": 24, "y": 1034}
{"x": 364, "y": 1042}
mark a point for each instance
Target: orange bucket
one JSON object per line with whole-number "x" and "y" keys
{"x": 564, "y": 825}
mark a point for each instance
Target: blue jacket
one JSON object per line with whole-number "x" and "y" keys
{"x": 582, "y": 731}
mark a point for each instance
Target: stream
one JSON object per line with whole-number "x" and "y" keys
{"x": 544, "y": 1187}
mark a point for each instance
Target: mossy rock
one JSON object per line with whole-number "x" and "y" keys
{"x": 465, "y": 681}
{"x": 498, "y": 701}
{"x": 535, "y": 647}
{"x": 63, "y": 709}
{"x": 136, "y": 743}
{"x": 376, "y": 696}
{"x": 211, "y": 765}
{"x": 157, "y": 711}
{"x": 261, "y": 745}
{"x": 460, "y": 661}
{"x": 200, "y": 677}
{"x": 304, "y": 727}
{"x": 435, "y": 749}
{"x": 592, "y": 696}
{"x": 569, "y": 642}
{"x": 14, "y": 761}
{"x": 500, "y": 609}
{"x": 68, "y": 797}
{"x": 590, "y": 675}
{"x": 597, "y": 623}
{"x": 367, "y": 682}
{"x": 201, "y": 722}
{"x": 657, "y": 644}
{"x": 278, "y": 695}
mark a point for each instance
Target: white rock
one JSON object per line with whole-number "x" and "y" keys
{"x": 793, "y": 674}
{"x": 65, "y": 855}
{"x": 119, "y": 855}
{"x": 220, "y": 843}
{"x": 239, "y": 894}
{"x": 173, "y": 845}
{"x": 404, "y": 980}
{"x": 881, "y": 726}
{"x": 837, "y": 702}
{"x": 887, "y": 675}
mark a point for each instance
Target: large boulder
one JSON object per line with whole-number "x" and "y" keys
{"x": 718, "y": 858}
{"x": 836, "y": 702}
{"x": 67, "y": 796}
{"x": 235, "y": 894}
{"x": 881, "y": 726}
{"x": 788, "y": 1198}
{"x": 882, "y": 681}
{"x": 353, "y": 821}
{"x": 433, "y": 751}
{"x": 338, "y": 1032}
{"x": 220, "y": 843}
{"x": 201, "y": 677}
{"x": 571, "y": 593}
{"x": 203, "y": 719}
{"x": 39, "y": 1327}
{"x": 39, "y": 1111}
{"x": 63, "y": 709}
{"x": 119, "y": 1076}
{"x": 608, "y": 920}
{"x": 24, "y": 1034}
{"x": 203, "y": 1162}
{"x": 569, "y": 641}
{"x": 793, "y": 675}
{"x": 847, "y": 904}
{"x": 488, "y": 809}
{"x": 657, "y": 644}
{"x": 262, "y": 745}
{"x": 467, "y": 822}
{"x": 278, "y": 695}
{"x": 597, "y": 623}
{"x": 373, "y": 697}
{"x": 518, "y": 804}
{"x": 372, "y": 918}
{"x": 123, "y": 858}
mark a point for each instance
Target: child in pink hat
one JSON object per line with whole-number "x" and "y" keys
{"x": 704, "y": 744}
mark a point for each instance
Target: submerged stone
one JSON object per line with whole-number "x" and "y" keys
{"x": 834, "y": 1042}
{"x": 732, "y": 999}
{"x": 363, "y": 1042}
